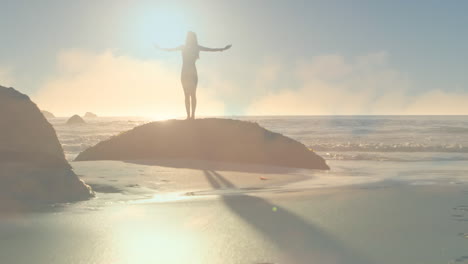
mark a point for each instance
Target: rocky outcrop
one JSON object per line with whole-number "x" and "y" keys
{"x": 75, "y": 120}
{"x": 90, "y": 115}
{"x": 47, "y": 114}
{"x": 32, "y": 163}
{"x": 206, "y": 139}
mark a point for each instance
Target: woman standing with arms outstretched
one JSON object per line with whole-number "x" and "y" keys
{"x": 189, "y": 76}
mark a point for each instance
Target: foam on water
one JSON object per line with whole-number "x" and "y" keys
{"x": 381, "y": 138}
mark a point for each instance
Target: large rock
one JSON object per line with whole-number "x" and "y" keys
{"x": 32, "y": 164}
{"x": 47, "y": 114}
{"x": 75, "y": 120}
{"x": 90, "y": 115}
{"x": 206, "y": 139}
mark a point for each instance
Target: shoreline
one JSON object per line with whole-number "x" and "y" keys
{"x": 162, "y": 181}
{"x": 143, "y": 178}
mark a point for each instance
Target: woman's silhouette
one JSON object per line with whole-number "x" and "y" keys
{"x": 189, "y": 77}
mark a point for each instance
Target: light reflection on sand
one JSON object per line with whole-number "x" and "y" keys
{"x": 164, "y": 198}
{"x": 137, "y": 241}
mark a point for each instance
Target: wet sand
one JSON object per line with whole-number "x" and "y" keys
{"x": 223, "y": 215}
{"x": 132, "y": 180}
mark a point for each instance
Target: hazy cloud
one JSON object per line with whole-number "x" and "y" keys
{"x": 367, "y": 84}
{"x": 118, "y": 85}
{"x": 109, "y": 84}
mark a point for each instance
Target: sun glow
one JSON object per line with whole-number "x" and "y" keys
{"x": 164, "y": 116}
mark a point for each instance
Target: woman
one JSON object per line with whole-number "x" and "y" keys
{"x": 189, "y": 77}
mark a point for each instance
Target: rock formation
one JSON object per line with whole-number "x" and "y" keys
{"x": 90, "y": 115}
{"x": 206, "y": 139}
{"x": 47, "y": 114}
{"x": 32, "y": 163}
{"x": 75, "y": 120}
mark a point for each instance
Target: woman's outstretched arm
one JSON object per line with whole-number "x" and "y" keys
{"x": 217, "y": 49}
{"x": 169, "y": 49}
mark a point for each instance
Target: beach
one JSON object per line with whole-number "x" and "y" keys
{"x": 393, "y": 195}
{"x": 148, "y": 213}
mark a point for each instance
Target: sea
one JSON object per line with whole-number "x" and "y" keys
{"x": 415, "y": 149}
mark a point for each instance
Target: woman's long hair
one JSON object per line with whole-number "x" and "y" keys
{"x": 191, "y": 45}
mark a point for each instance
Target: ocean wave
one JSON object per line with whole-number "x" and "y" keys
{"x": 395, "y": 157}
{"x": 448, "y": 130}
{"x": 385, "y": 138}
{"x": 75, "y": 149}
{"x": 382, "y": 147}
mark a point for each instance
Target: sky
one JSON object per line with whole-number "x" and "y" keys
{"x": 288, "y": 57}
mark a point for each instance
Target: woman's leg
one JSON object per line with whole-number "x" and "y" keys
{"x": 193, "y": 95}
{"x": 187, "y": 98}
{"x": 187, "y": 104}
{"x": 194, "y": 103}
{"x": 189, "y": 83}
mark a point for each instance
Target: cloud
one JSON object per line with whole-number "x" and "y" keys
{"x": 6, "y": 77}
{"x": 111, "y": 84}
{"x": 331, "y": 84}
{"x": 439, "y": 102}
{"x": 108, "y": 84}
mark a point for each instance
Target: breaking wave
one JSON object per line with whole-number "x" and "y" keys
{"x": 381, "y": 147}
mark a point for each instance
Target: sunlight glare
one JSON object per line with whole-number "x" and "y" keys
{"x": 139, "y": 241}
{"x": 164, "y": 116}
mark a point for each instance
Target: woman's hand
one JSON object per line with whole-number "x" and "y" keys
{"x": 227, "y": 47}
